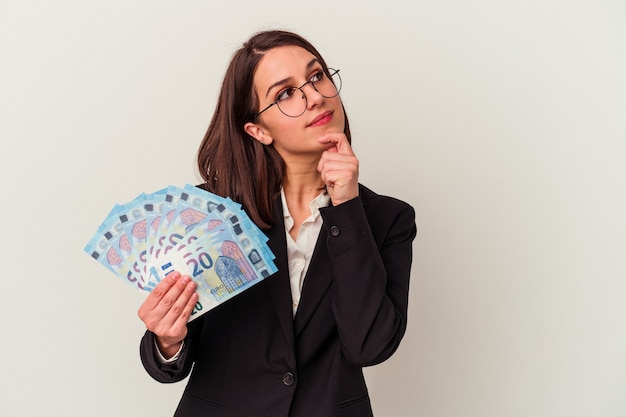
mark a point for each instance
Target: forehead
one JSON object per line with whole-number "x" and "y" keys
{"x": 281, "y": 63}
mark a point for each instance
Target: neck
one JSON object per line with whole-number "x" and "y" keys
{"x": 302, "y": 183}
{"x": 301, "y": 186}
{"x": 302, "y": 176}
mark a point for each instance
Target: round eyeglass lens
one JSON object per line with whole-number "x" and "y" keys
{"x": 293, "y": 102}
{"x": 329, "y": 87}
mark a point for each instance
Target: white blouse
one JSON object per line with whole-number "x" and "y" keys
{"x": 299, "y": 251}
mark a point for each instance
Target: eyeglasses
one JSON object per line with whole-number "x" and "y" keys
{"x": 292, "y": 101}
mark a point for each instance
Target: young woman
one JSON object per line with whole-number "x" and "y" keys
{"x": 294, "y": 344}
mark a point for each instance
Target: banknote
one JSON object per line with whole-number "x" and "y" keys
{"x": 153, "y": 207}
{"x": 233, "y": 216}
{"x": 111, "y": 247}
{"x": 185, "y": 229}
{"x": 156, "y": 236}
{"x": 181, "y": 219}
{"x": 133, "y": 219}
{"x": 218, "y": 265}
{"x": 167, "y": 208}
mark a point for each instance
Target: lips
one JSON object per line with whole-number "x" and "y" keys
{"x": 322, "y": 119}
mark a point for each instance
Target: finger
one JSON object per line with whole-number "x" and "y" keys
{"x": 173, "y": 323}
{"x": 338, "y": 162}
{"x": 162, "y": 288}
{"x": 183, "y": 318}
{"x": 155, "y": 308}
{"x": 180, "y": 303}
{"x": 338, "y": 159}
{"x": 340, "y": 173}
{"x": 340, "y": 142}
{"x": 160, "y": 319}
{"x": 338, "y": 178}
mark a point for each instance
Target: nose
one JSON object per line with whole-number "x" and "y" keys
{"x": 313, "y": 96}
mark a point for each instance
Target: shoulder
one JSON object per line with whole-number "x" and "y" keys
{"x": 374, "y": 201}
{"x": 385, "y": 213}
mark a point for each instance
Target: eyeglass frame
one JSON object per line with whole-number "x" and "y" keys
{"x": 306, "y": 102}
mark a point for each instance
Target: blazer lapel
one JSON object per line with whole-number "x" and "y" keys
{"x": 319, "y": 276}
{"x": 316, "y": 283}
{"x": 278, "y": 283}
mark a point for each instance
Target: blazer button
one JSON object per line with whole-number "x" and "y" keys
{"x": 334, "y": 230}
{"x": 289, "y": 379}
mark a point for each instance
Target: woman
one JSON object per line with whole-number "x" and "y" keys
{"x": 294, "y": 344}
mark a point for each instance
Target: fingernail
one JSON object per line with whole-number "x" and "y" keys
{"x": 185, "y": 279}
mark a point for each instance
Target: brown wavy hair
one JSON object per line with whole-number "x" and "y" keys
{"x": 230, "y": 161}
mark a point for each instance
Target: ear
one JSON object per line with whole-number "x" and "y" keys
{"x": 258, "y": 133}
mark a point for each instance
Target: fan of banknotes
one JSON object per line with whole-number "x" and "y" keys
{"x": 189, "y": 230}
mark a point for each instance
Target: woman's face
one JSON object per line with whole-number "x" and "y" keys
{"x": 279, "y": 69}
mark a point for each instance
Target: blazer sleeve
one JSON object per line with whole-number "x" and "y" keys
{"x": 371, "y": 254}
{"x": 174, "y": 371}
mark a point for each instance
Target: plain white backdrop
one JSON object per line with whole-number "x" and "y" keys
{"x": 502, "y": 122}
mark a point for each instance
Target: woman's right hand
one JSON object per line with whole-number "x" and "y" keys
{"x": 166, "y": 310}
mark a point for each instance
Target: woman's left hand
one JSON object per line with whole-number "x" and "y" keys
{"x": 339, "y": 167}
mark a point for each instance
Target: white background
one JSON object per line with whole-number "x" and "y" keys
{"x": 502, "y": 122}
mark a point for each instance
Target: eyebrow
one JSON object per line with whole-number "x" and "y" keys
{"x": 286, "y": 80}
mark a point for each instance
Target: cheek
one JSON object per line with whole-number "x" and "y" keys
{"x": 340, "y": 116}
{"x": 284, "y": 128}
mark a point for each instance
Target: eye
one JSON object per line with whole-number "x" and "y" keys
{"x": 317, "y": 76}
{"x": 286, "y": 94}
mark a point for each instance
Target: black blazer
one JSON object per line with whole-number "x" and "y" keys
{"x": 251, "y": 357}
